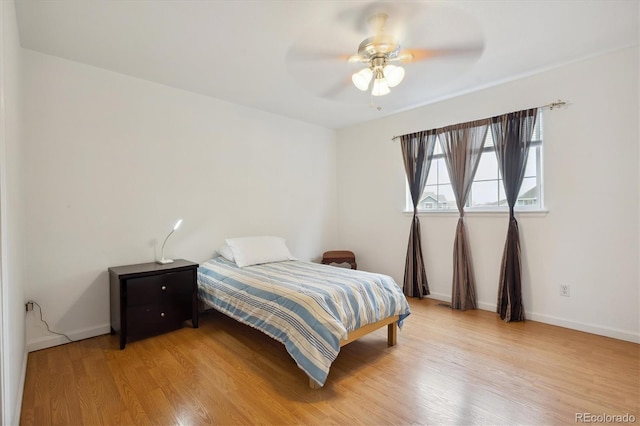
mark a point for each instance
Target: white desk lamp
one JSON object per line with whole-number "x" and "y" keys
{"x": 162, "y": 260}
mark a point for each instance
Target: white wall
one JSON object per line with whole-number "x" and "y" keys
{"x": 112, "y": 162}
{"x": 588, "y": 239}
{"x": 11, "y": 219}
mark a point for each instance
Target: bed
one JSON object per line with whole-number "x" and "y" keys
{"x": 313, "y": 309}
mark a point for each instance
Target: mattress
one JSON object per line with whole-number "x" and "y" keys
{"x": 306, "y": 306}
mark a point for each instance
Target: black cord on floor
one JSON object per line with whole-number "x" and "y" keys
{"x": 47, "y": 324}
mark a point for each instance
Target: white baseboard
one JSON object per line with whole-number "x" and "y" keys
{"x": 447, "y": 298}
{"x": 55, "y": 339}
{"x": 614, "y": 333}
{"x": 440, "y": 296}
{"x": 629, "y": 336}
{"x": 600, "y": 330}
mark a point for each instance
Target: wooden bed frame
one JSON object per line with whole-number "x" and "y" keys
{"x": 392, "y": 336}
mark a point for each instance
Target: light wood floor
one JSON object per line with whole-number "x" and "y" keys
{"x": 449, "y": 367}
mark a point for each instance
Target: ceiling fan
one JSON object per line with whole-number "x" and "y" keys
{"x": 318, "y": 61}
{"x": 377, "y": 52}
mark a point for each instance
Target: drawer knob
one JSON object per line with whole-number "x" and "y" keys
{"x": 164, "y": 287}
{"x": 162, "y": 314}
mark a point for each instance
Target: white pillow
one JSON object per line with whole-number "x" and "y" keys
{"x": 256, "y": 250}
{"x": 225, "y": 251}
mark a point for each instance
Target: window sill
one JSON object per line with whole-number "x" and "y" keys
{"x": 479, "y": 213}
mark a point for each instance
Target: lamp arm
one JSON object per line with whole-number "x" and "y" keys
{"x": 165, "y": 242}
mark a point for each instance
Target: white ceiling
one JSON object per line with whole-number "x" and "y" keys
{"x": 289, "y": 57}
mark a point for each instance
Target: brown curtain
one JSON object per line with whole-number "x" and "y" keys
{"x": 462, "y": 147}
{"x": 512, "y": 135}
{"x": 417, "y": 149}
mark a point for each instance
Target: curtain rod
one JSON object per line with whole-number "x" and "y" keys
{"x": 557, "y": 104}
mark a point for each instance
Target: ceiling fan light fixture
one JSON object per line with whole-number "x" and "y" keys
{"x": 393, "y": 74}
{"x": 377, "y": 51}
{"x": 380, "y": 87}
{"x": 362, "y": 78}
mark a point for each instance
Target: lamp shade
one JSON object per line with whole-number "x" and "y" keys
{"x": 380, "y": 87}
{"x": 393, "y": 74}
{"x": 362, "y": 78}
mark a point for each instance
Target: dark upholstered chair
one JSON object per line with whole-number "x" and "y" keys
{"x": 340, "y": 256}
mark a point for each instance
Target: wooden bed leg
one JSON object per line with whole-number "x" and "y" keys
{"x": 392, "y": 334}
{"x": 313, "y": 384}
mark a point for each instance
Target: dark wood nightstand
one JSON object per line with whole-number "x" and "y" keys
{"x": 150, "y": 298}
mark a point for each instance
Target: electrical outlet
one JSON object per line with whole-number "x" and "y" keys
{"x": 565, "y": 290}
{"x": 29, "y": 306}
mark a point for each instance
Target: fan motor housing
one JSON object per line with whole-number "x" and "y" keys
{"x": 382, "y": 45}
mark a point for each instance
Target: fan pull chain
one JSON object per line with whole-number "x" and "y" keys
{"x": 373, "y": 105}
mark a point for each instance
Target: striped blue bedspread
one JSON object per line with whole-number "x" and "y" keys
{"x": 308, "y": 307}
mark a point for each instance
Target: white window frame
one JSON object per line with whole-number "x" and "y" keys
{"x": 536, "y": 145}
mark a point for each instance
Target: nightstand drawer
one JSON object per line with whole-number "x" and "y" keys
{"x": 160, "y": 288}
{"x": 153, "y": 319}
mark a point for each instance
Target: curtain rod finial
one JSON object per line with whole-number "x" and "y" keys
{"x": 557, "y": 104}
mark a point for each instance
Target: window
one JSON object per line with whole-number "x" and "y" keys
{"x": 487, "y": 191}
